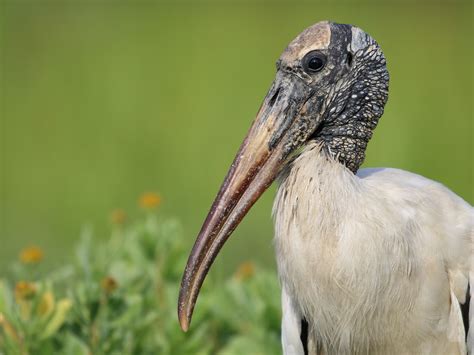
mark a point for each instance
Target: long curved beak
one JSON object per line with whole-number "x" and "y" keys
{"x": 259, "y": 160}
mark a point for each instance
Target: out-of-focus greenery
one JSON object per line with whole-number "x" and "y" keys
{"x": 101, "y": 100}
{"x": 119, "y": 297}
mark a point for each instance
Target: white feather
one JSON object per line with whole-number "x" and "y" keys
{"x": 291, "y": 327}
{"x": 470, "y": 335}
{"x": 373, "y": 261}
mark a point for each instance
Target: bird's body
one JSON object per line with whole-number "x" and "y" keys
{"x": 371, "y": 260}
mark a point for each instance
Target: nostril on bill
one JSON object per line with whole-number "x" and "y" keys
{"x": 274, "y": 98}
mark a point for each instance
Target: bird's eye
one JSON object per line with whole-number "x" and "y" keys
{"x": 314, "y": 61}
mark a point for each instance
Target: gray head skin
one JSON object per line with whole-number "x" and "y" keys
{"x": 331, "y": 86}
{"x": 346, "y": 98}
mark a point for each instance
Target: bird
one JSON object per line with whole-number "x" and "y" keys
{"x": 370, "y": 261}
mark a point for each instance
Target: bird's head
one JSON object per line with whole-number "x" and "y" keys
{"x": 331, "y": 86}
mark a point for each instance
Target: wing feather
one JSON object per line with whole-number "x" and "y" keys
{"x": 290, "y": 327}
{"x": 450, "y": 220}
{"x": 470, "y": 330}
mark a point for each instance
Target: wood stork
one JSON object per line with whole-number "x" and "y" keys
{"x": 370, "y": 261}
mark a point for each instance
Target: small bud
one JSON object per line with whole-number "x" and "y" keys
{"x": 150, "y": 200}
{"x": 108, "y": 284}
{"x": 24, "y": 290}
{"x": 118, "y": 217}
{"x": 31, "y": 255}
{"x": 245, "y": 270}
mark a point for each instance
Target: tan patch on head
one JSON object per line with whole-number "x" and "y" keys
{"x": 315, "y": 37}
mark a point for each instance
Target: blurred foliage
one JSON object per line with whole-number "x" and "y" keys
{"x": 119, "y": 297}
{"x": 102, "y": 100}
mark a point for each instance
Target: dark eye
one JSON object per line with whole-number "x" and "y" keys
{"x": 314, "y": 61}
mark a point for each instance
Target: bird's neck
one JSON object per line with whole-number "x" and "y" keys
{"x": 344, "y": 135}
{"x": 354, "y": 109}
{"x": 316, "y": 192}
{"x": 314, "y": 186}
{"x": 345, "y": 144}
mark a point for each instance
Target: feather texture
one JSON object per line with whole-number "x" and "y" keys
{"x": 376, "y": 263}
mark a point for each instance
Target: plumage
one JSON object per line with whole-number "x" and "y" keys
{"x": 375, "y": 260}
{"x": 371, "y": 261}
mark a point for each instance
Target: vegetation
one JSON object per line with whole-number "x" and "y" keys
{"x": 119, "y": 297}
{"x": 101, "y": 100}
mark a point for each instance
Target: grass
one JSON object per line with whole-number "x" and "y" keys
{"x": 118, "y": 296}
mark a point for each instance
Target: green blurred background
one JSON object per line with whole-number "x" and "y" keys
{"x": 101, "y": 101}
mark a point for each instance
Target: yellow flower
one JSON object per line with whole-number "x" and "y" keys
{"x": 24, "y": 290}
{"x": 108, "y": 284}
{"x": 118, "y": 217}
{"x": 46, "y": 304}
{"x": 149, "y": 200}
{"x": 245, "y": 270}
{"x": 30, "y": 255}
